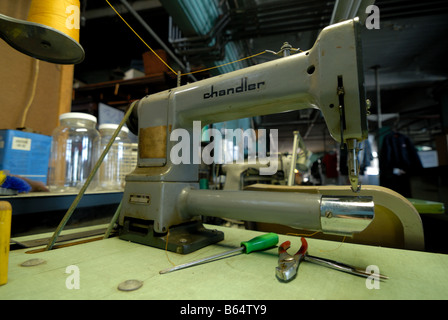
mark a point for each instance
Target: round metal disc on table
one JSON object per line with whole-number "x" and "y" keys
{"x": 130, "y": 285}
{"x": 32, "y": 262}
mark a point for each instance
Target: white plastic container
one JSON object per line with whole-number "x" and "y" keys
{"x": 74, "y": 152}
{"x": 115, "y": 165}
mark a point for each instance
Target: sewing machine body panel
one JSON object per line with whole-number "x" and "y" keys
{"x": 154, "y": 201}
{"x": 312, "y": 79}
{"x": 271, "y": 87}
{"x": 153, "y": 131}
{"x": 306, "y": 80}
{"x": 339, "y": 58}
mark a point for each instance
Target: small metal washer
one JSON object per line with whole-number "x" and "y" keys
{"x": 33, "y": 262}
{"x": 130, "y": 285}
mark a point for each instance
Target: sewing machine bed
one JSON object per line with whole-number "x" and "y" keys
{"x": 104, "y": 264}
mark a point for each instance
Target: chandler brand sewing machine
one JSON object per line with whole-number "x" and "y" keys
{"x": 161, "y": 196}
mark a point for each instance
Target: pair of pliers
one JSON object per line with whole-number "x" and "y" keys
{"x": 288, "y": 264}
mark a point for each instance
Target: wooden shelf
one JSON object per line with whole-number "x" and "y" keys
{"x": 120, "y": 93}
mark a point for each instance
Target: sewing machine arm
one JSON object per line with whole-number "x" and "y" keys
{"x": 328, "y": 77}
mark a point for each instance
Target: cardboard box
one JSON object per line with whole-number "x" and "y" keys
{"x": 152, "y": 64}
{"x": 25, "y": 154}
{"x": 132, "y": 74}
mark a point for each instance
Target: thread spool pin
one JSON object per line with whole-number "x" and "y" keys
{"x": 45, "y": 44}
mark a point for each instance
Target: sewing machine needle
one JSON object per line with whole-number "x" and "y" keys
{"x": 353, "y": 164}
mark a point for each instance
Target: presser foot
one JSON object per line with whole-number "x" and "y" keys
{"x": 354, "y": 184}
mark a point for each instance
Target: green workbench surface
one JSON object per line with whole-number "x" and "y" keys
{"x": 104, "y": 264}
{"x": 424, "y": 206}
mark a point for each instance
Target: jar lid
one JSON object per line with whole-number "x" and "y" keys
{"x": 112, "y": 126}
{"x": 77, "y": 115}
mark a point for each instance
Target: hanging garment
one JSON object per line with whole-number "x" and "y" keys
{"x": 365, "y": 156}
{"x": 330, "y": 160}
{"x": 398, "y": 161}
{"x": 398, "y": 152}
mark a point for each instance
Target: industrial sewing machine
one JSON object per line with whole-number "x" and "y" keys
{"x": 162, "y": 198}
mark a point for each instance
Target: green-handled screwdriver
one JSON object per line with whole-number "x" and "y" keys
{"x": 262, "y": 242}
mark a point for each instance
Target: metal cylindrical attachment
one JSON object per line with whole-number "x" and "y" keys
{"x": 333, "y": 215}
{"x": 291, "y": 209}
{"x": 345, "y": 215}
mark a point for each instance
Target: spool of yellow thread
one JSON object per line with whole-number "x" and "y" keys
{"x": 62, "y": 15}
{"x": 5, "y": 234}
{"x": 51, "y": 32}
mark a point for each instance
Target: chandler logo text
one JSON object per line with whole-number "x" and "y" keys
{"x": 243, "y": 87}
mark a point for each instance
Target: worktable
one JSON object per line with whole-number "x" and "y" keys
{"x": 37, "y": 212}
{"x": 104, "y": 264}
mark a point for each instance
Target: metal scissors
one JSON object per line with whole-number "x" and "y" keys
{"x": 288, "y": 265}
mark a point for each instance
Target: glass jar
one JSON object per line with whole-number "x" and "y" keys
{"x": 115, "y": 165}
{"x": 74, "y": 152}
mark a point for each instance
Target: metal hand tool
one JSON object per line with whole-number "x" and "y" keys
{"x": 256, "y": 244}
{"x": 288, "y": 265}
{"x": 342, "y": 267}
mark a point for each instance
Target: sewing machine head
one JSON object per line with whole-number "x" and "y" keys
{"x": 329, "y": 77}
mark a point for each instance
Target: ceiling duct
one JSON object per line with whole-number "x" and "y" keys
{"x": 198, "y": 33}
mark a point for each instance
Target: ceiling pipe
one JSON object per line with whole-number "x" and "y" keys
{"x": 349, "y": 9}
{"x": 155, "y": 36}
{"x": 378, "y": 96}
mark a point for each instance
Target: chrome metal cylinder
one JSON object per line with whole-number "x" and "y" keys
{"x": 298, "y": 210}
{"x": 345, "y": 215}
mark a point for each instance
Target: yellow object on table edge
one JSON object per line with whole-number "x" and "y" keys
{"x": 5, "y": 234}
